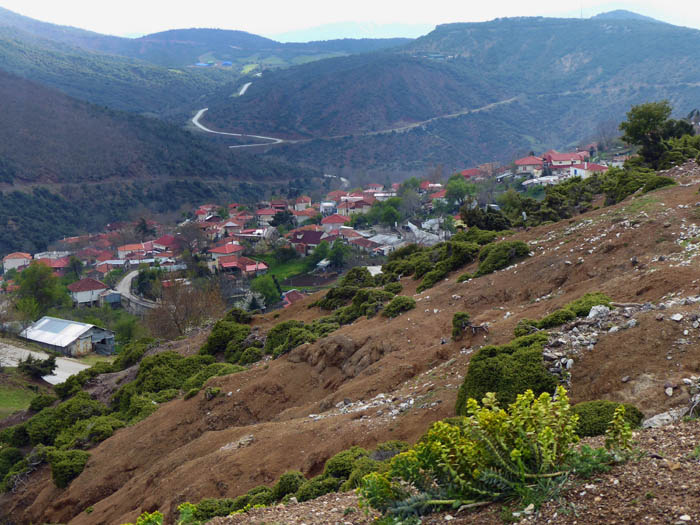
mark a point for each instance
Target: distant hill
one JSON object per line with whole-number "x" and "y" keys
{"x": 623, "y": 14}
{"x": 183, "y": 47}
{"x": 79, "y": 166}
{"x": 557, "y": 80}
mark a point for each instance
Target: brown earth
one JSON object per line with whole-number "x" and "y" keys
{"x": 192, "y": 449}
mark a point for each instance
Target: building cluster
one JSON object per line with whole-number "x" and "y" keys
{"x": 552, "y": 167}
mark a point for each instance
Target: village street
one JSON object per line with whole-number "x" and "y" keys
{"x": 11, "y": 355}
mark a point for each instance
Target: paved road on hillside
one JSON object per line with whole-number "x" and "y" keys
{"x": 11, "y": 355}
{"x": 244, "y": 89}
{"x": 399, "y": 129}
{"x": 273, "y": 140}
{"x": 124, "y": 288}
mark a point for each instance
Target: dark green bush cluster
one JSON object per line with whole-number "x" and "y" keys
{"x": 213, "y": 370}
{"x": 239, "y": 315}
{"x": 595, "y": 416}
{"x": 393, "y": 287}
{"x": 225, "y": 337}
{"x": 493, "y": 257}
{"x": 399, "y": 305}
{"x": 336, "y": 297}
{"x": 431, "y": 264}
{"x": 9, "y": 456}
{"x": 75, "y": 383}
{"x": 578, "y": 308}
{"x": 620, "y": 183}
{"x": 132, "y": 354}
{"x": 41, "y": 401}
{"x": 507, "y": 370}
{"x": 478, "y": 236}
{"x": 460, "y": 322}
{"x": 344, "y": 471}
{"x": 45, "y": 426}
{"x": 359, "y": 277}
{"x": 66, "y": 465}
{"x": 87, "y": 433}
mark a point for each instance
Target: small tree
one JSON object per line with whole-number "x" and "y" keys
{"x": 38, "y": 282}
{"x": 37, "y": 368}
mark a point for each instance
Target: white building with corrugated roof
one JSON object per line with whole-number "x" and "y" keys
{"x": 69, "y": 337}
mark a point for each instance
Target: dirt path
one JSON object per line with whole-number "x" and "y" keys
{"x": 11, "y": 355}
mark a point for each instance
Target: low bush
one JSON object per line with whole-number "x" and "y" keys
{"x": 399, "y": 305}
{"x": 238, "y": 315}
{"x": 66, "y": 465}
{"x": 506, "y": 370}
{"x": 261, "y": 496}
{"x": 478, "y": 236}
{"x": 131, "y": 354}
{"x": 87, "y": 433}
{"x": 362, "y": 466}
{"x": 343, "y": 463}
{"x": 460, "y": 322}
{"x": 213, "y": 370}
{"x": 578, "y": 308}
{"x": 41, "y": 401}
{"x": 278, "y": 335}
{"x": 493, "y": 454}
{"x": 393, "y": 287}
{"x": 15, "y": 436}
{"x": 317, "y": 487}
{"x": 288, "y": 483}
{"x": 45, "y": 426}
{"x": 595, "y": 416}
{"x": 9, "y": 457}
{"x": 250, "y": 355}
{"x": 493, "y": 257}
{"x": 295, "y": 337}
{"x": 224, "y": 336}
{"x": 358, "y": 276}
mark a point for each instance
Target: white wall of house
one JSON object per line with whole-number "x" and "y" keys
{"x": 13, "y": 264}
{"x": 87, "y": 297}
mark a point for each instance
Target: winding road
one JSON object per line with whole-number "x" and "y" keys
{"x": 400, "y": 129}
{"x": 124, "y": 288}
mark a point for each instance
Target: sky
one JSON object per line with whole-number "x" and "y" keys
{"x": 275, "y": 17}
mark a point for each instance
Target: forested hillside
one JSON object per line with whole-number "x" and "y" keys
{"x": 557, "y": 81}
{"x": 100, "y": 165}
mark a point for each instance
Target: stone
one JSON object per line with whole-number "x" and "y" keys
{"x": 614, "y": 330}
{"x": 569, "y": 364}
{"x": 659, "y": 317}
{"x": 684, "y": 517}
{"x": 668, "y": 391}
{"x": 631, "y": 323}
{"x": 598, "y": 311}
{"x": 625, "y": 379}
{"x": 677, "y": 317}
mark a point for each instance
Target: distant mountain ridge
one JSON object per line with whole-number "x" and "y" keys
{"x": 562, "y": 78}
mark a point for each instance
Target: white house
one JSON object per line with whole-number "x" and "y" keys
{"x": 86, "y": 291}
{"x": 16, "y": 260}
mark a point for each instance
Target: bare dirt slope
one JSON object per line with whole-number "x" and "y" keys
{"x": 382, "y": 379}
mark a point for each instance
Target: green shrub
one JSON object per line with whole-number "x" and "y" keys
{"x": 41, "y": 401}
{"x": 130, "y": 355}
{"x": 493, "y": 454}
{"x": 87, "y": 433}
{"x": 398, "y": 305}
{"x": 213, "y": 370}
{"x": 464, "y": 277}
{"x": 288, "y": 483}
{"x": 657, "y": 182}
{"x": 460, "y": 322}
{"x": 557, "y": 318}
{"x": 210, "y": 508}
{"x": 66, "y": 465}
{"x": 362, "y": 466}
{"x": 595, "y": 416}
{"x": 224, "y": 336}
{"x": 251, "y": 355}
{"x": 507, "y": 370}
{"x": 336, "y": 297}
{"x": 578, "y": 308}
{"x": 317, "y": 487}
{"x": 238, "y": 315}
{"x": 324, "y": 326}
{"x": 191, "y": 393}
{"x": 388, "y": 449}
{"x": 582, "y": 306}
{"x": 393, "y": 287}
{"x": 434, "y": 276}
{"x": 9, "y": 457}
{"x": 478, "y": 236}
{"x": 358, "y": 276}
{"x": 261, "y": 495}
{"x": 278, "y": 334}
{"x": 497, "y": 256}
{"x": 295, "y": 337}
{"x": 343, "y": 463}
{"x": 75, "y": 383}
{"x": 16, "y": 436}
{"x": 45, "y": 426}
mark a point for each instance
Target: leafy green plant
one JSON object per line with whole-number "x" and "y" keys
{"x": 460, "y": 322}
{"x": 595, "y": 416}
{"x": 492, "y": 454}
{"x": 618, "y": 436}
{"x": 493, "y": 257}
{"x": 399, "y": 305}
{"x": 66, "y": 465}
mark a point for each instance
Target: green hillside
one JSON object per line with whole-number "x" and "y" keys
{"x": 68, "y": 166}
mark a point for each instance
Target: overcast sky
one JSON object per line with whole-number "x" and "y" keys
{"x": 272, "y": 17}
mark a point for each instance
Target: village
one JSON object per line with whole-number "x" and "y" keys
{"x": 269, "y": 254}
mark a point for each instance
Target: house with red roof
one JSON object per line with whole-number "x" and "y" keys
{"x": 348, "y": 208}
{"x": 471, "y": 173}
{"x": 302, "y": 216}
{"x": 139, "y": 249}
{"x": 439, "y": 196}
{"x": 265, "y": 216}
{"x": 336, "y": 195}
{"x": 86, "y": 291}
{"x": 230, "y": 248}
{"x": 586, "y": 169}
{"x": 529, "y": 165}
{"x": 302, "y": 203}
{"x": 375, "y": 187}
{"x": 364, "y": 244}
{"x": 165, "y": 243}
{"x": 279, "y": 204}
{"x": 305, "y": 241}
{"x": 334, "y": 221}
{"x": 59, "y": 266}
{"x": 429, "y": 187}
{"x": 16, "y": 260}
{"x": 563, "y": 159}
{"x": 244, "y": 266}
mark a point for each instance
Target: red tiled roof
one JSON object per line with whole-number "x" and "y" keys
{"x": 86, "y": 285}
{"x": 227, "y": 249}
{"x": 165, "y": 240}
{"x": 529, "y": 161}
{"x": 439, "y": 194}
{"x": 471, "y": 172}
{"x": 63, "y": 262}
{"x": 562, "y": 157}
{"x": 335, "y": 219}
{"x": 365, "y": 243}
{"x": 17, "y": 255}
{"x": 590, "y": 167}
{"x": 303, "y": 199}
{"x": 293, "y": 296}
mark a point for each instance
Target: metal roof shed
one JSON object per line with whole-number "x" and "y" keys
{"x": 70, "y": 337}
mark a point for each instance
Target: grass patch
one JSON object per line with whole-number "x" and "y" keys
{"x": 646, "y": 203}
{"x": 285, "y": 270}
{"x": 93, "y": 359}
{"x": 15, "y": 392}
{"x": 249, "y": 68}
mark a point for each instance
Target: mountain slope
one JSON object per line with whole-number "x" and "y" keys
{"x": 559, "y": 70}
{"x": 292, "y": 412}
{"x": 105, "y": 164}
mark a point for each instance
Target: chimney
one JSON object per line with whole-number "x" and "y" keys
{"x": 585, "y": 165}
